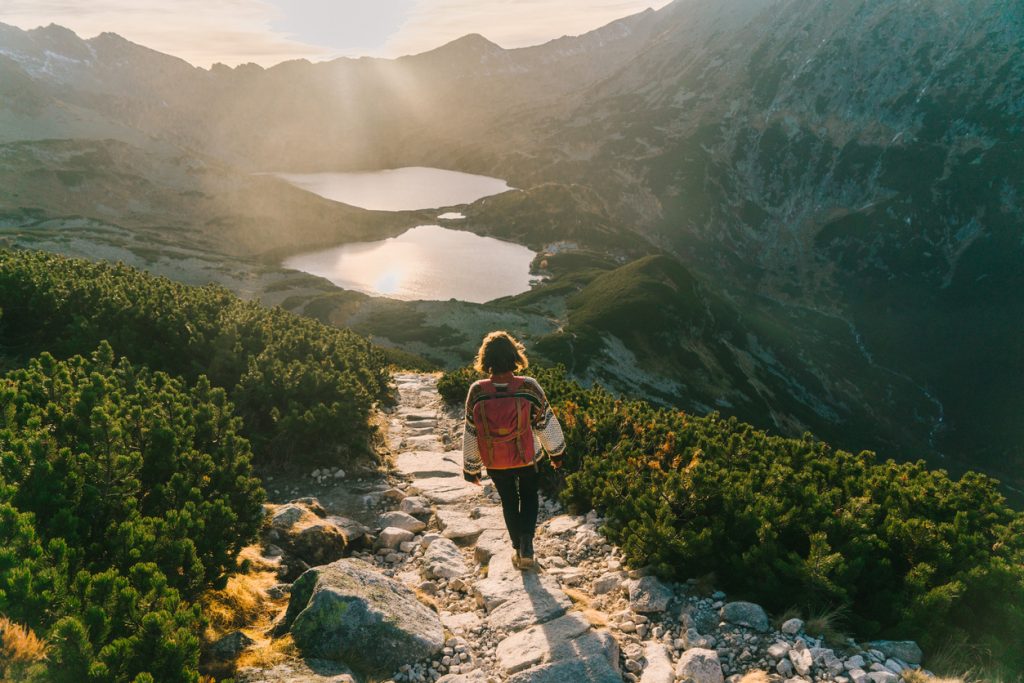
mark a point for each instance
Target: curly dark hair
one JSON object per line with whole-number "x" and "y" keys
{"x": 500, "y": 352}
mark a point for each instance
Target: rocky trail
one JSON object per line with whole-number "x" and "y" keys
{"x": 430, "y": 594}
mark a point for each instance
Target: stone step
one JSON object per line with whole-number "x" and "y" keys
{"x": 568, "y": 637}
{"x": 421, "y": 464}
{"x": 446, "y": 490}
{"x": 425, "y": 442}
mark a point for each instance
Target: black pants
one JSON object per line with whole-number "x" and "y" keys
{"x": 518, "y": 491}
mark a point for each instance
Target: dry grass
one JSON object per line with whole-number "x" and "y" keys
{"x": 427, "y": 599}
{"x": 241, "y": 603}
{"x": 755, "y": 677}
{"x": 19, "y": 645}
{"x": 580, "y": 598}
{"x": 911, "y": 676}
{"x": 597, "y": 618}
{"x": 266, "y": 654}
{"x": 825, "y": 625}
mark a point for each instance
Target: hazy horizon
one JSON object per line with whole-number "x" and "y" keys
{"x": 268, "y": 32}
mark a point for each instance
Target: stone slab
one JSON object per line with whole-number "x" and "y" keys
{"x": 445, "y": 490}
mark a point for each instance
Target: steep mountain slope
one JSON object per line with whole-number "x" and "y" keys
{"x": 859, "y": 159}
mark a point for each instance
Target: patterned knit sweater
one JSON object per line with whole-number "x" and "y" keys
{"x": 547, "y": 432}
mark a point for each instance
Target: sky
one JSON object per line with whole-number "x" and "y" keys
{"x": 271, "y": 31}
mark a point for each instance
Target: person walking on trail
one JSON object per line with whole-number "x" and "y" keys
{"x": 509, "y": 427}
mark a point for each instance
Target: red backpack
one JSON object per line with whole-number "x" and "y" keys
{"x": 503, "y": 428}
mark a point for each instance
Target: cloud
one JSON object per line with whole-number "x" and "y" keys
{"x": 509, "y": 23}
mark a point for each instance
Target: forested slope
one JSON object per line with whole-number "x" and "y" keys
{"x": 126, "y": 473}
{"x": 895, "y": 550}
{"x": 303, "y": 389}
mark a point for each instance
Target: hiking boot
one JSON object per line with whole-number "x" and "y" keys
{"x": 526, "y": 552}
{"x": 516, "y": 560}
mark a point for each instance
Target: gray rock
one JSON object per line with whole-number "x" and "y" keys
{"x": 608, "y": 583}
{"x": 563, "y": 638}
{"x": 458, "y": 526}
{"x": 699, "y": 665}
{"x": 854, "y": 662}
{"x": 230, "y": 646}
{"x": 895, "y": 665}
{"x": 285, "y": 516}
{"x": 584, "y": 670}
{"x": 692, "y": 638}
{"x": 541, "y": 601}
{"x": 299, "y": 671}
{"x": 659, "y": 664}
{"x": 392, "y": 537}
{"x": 475, "y": 676}
{"x": 562, "y": 524}
{"x": 778, "y": 650}
{"x": 883, "y": 677}
{"x": 346, "y": 611}
{"x": 648, "y": 594}
{"x": 745, "y": 614}
{"x": 417, "y": 506}
{"x": 401, "y": 520}
{"x": 792, "y": 627}
{"x": 802, "y": 660}
{"x": 318, "y": 543}
{"x": 354, "y": 531}
{"x": 443, "y": 560}
{"x": 907, "y": 650}
{"x": 490, "y": 542}
{"x": 785, "y": 668}
{"x": 428, "y": 463}
{"x": 445, "y": 490}
{"x": 858, "y": 676}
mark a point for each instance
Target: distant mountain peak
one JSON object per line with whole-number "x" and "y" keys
{"x": 472, "y": 43}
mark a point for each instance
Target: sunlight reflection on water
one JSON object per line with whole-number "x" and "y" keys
{"x": 427, "y": 262}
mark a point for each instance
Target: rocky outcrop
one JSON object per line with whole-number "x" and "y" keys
{"x": 347, "y": 611}
{"x": 306, "y": 535}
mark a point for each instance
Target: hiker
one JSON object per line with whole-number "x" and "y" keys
{"x": 509, "y": 427}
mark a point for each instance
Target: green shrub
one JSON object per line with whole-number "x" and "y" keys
{"x": 453, "y": 386}
{"x": 304, "y": 390}
{"x": 902, "y": 550}
{"x": 123, "y": 494}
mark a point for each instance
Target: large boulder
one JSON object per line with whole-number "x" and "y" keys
{"x": 699, "y": 665}
{"x": 907, "y": 650}
{"x": 318, "y": 543}
{"x": 745, "y": 614}
{"x": 348, "y": 612}
{"x": 308, "y": 539}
